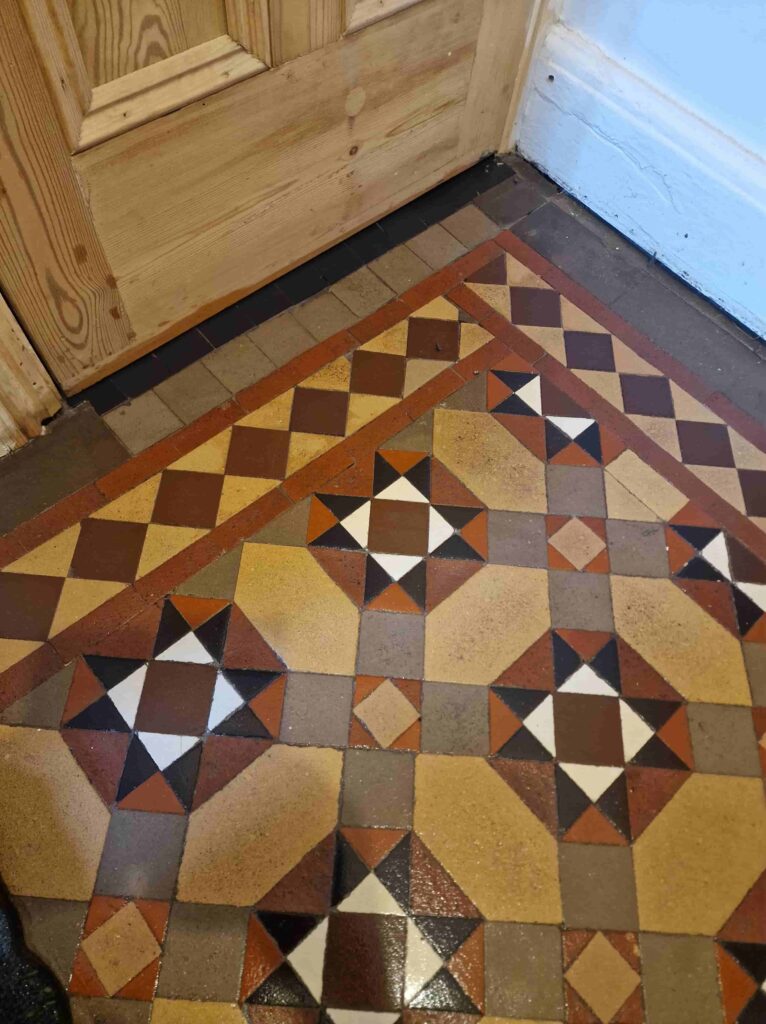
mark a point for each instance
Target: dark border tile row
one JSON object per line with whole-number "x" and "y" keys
{"x": 296, "y": 286}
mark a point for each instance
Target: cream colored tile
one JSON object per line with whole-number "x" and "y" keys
{"x": 363, "y": 409}
{"x": 495, "y": 295}
{"x": 386, "y": 712}
{"x": 577, "y": 543}
{"x": 275, "y": 415}
{"x": 688, "y": 647}
{"x": 136, "y": 506}
{"x": 52, "y": 558}
{"x": 481, "y": 629}
{"x": 183, "y": 1011}
{"x": 53, "y": 822}
{"x": 240, "y": 491}
{"x": 336, "y": 376}
{"x": 604, "y": 383}
{"x": 573, "y": 319}
{"x": 248, "y": 836}
{"x": 551, "y": 339}
{"x": 12, "y": 651}
{"x": 303, "y": 615}
{"x": 626, "y": 361}
{"x": 520, "y": 276}
{"x": 484, "y": 835}
{"x": 438, "y": 309}
{"x": 746, "y": 455}
{"x": 621, "y": 504}
{"x": 647, "y": 485}
{"x": 688, "y": 408}
{"x": 419, "y": 372}
{"x": 472, "y": 337}
{"x": 489, "y": 460}
{"x": 725, "y": 483}
{"x": 393, "y": 341}
{"x": 661, "y": 430}
{"x": 209, "y": 457}
{"x": 702, "y": 853}
{"x": 304, "y": 448}
{"x": 602, "y": 977}
{"x": 121, "y": 948}
{"x": 162, "y": 542}
{"x": 78, "y": 597}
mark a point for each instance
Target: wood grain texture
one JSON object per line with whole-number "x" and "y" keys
{"x": 360, "y": 13}
{"x": 120, "y": 36}
{"x": 300, "y": 26}
{"x": 52, "y": 266}
{"x": 27, "y": 394}
{"x": 248, "y": 23}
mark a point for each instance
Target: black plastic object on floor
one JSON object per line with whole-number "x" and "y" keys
{"x": 29, "y": 993}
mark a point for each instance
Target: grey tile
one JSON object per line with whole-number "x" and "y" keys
{"x": 575, "y": 490}
{"x": 472, "y": 397}
{"x": 219, "y": 579}
{"x": 141, "y": 855}
{"x": 77, "y": 448}
{"x": 511, "y": 200}
{"x": 52, "y": 931}
{"x": 192, "y": 392}
{"x": 618, "y": 245}
{"x": 204, "y": 949}
{"x": 680, "y": 980}
{"x": 637, "y": 549}
{"x": 43, "y": 706}
{"x": 523, "y": 971}
{"x": 238, "y": 363}
{"x": 317, "y": 710}
{"x": 400, "y": 269}
{"x": 517, "y": 538}
{"x": 391, "y": 645}
{"x": 470, "y": 226}
{"x": 580, "y": 600}
{"x": 282, "y": 338}
{"x": 723, "y": 740}
{"x": 417, "y": 437}
{"x": 524, "y": 169}
{"x": 436, "y": 247}
{"x": 455, "y": 719}
{"x": 378, "y": 788}
{"x": 755, "y": 663}
{"x": 289, "y": 528}
{"x": 142, "y": 422}
{"x": 362, "y": 292}
{"x": 109, "y": 1011}
{"x": 324, "y": 315}
{"x": 597, "y": 887}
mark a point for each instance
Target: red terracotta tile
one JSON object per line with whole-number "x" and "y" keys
{"x": 306, "y": 888}
{"x": 346, "y": 568}
{"x": 533, "y": 670}
{"x": 246, "y": 648}
{"x": 373, "y": 844}
{"x": 139, "y": 468}
{"x": 432, "y": 287}
{"x": 262, "y": 957}
{"x": 380, "y": 320}
{"x": 748, "y": 922}
{"x": 311, "y": 477}
{"x": 593, "y": 827}
{"x": 223, "y": 758}
{"x": 471, "y": 261}
{"x": 101, "y": 755}
{"x": 154, "y": 795}
{"x": 649, "y": 789}
{"x": 432, "y": 890}
{"x": 503, "y": 723}
{"x": 534, "y": 782}
{"x": 444, "y": 576}
{"x": 467, "y": 967}
{"x": 10, "y": 550}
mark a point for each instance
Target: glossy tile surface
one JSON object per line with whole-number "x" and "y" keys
{"x": 440, "y": 699}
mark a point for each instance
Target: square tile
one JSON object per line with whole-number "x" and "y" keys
{"x": 436, "y": 247}
{"x": 378, "y": 788}
{"x": 753, "y": 483}
{"x": 141, "y": 855}
{"x": 391, "y": 644}
{"x": 398, "y": 527}
{"x": 176, "y": 698}
{"x": 238, "y": 364}
{"x": 597, "y": 887}
{"x": 187, "y": 498}
{"x": 680, "y": 980}
{"x": 192, "y": 392}
{"x": 723, "y": 740}
{"x": 204, "y": 950}
{"x": 577, "y": 542}
{"x": 637, "y": 549}
{"x": 575, "y": 490}
{"x": 319, "y": 412}
{"x": 282, "y": 338}
{"x": 387, "y": 712}
{"x": 428, "y": 338}
{"x": 517, "y": 538}
{"x": 704, "y": 444}
{"x": 316, "y": 710}
{"x": 602, "y": 974}
{"x": 646, "y": 396}
{"x": 455, "y": 719}
{"x": 259, "y": 452}
{"x": 142, "y": 422}
{"x": 470, "y": 226}
{"x": 108, "y": 550}
{"x": 27, "y": 605}
{"x": 400, "y": 269}
{"x": 377, "y": 373}
{"x": 580, "y": 601}
{"x": 376, "y": 946}
{"x": 324, "y": 315}
{"x": 588, "y": 351}
{"x": 524, "y": 971}
{"x": 362, "y": 292}
{"x": 120, "y": 948}
{"x": 587, "y": 729}
{"x": 535, "y": 307}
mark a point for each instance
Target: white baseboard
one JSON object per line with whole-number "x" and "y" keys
{"x": 673, "y": 183}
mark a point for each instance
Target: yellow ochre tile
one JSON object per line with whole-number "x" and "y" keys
{"x": 621, "y": 504}
{"x": 573, "y": 319}
{"x": 420, "y": 371}
{"x": 725, "y": 482}
{"x": 662, "y": 430}
{"x": 386, "y": 713}
{"x": 336, "y": 376}
{"x": 549, "y": 338}
{"x": 162, "y": 542}
{"x": 52, "y": 558}
{"x": 12, "y": 651}
{"x": 304, "y": 448}
{"x": 626, "y": 361}
{"x": 520, "y": 276}
{"x": 602, "y": 977}
{"x": 275, "y": 415}
{"x": 240, "y": 491}
{"x": 78, "y": 597}
{"x": 392, "y": 342}
{"x": 362, "y": 409}
{"x": 121, "y": 948}
{"x": 603, "y": 382}
{"x": 472, "y": 337}
{"x": 438, "y": 309}
{"x": 495, "y": 295}
{"x": 135, "y": 506}
{"x": 688, "y": 408}
{"x": 185, "y": 1011}
{"x": 209, "y": 457}
{"x": 647, "y": 485}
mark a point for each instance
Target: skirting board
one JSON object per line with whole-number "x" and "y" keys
{"x": 676, "y": 185}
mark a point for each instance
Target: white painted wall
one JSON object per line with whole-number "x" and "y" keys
{"x": 656, "y": 119}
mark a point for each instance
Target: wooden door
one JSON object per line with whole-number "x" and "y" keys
{"x": 160, "y": 159}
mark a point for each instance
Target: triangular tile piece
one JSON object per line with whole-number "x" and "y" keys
{"x": 737, "y": 987}
{"x": 444, "y": 576}
{"x": 421, "y": 962}
{"x": 566, "y": 660}
{"x": 534, "y": 669}
{"x": 534, "y": 783}
{"x": 102, "y": 715}
{"x": 635, "y": 731}
{"x": 394, "y": 872}
{"x": 245, "y": 647}
{"x": 165, "y": 749}
{"x": 585, "y": 643}
{"x": 84, "y": 690}
{"x": 343, "y": 505}
{"x": 586, "y": 681}
{"x": 457, "y": 548}
{"x": 182, "y": 774}
{"x": 321, "y": 519}
{"x": 283, "y": 988}
{"x": 649, "y": 789}
{"x": 225, "y": 701}
{"x": 308, "y": 885}
{"x": 446, "y": 934}
{"x": 262, "y": 957}
{"x": 590, "y": 441}
{"x": 752, "y": 956}
{"x": 80, "y": 597}
{"x": 223, "y": 758}
{"x": 419, "y": 476}
{"x": 394, "y": 598}
{"x": 373, "y": 844}
{"x": 154, "y": 795}
{"x": 675, "y": 735}
{"x": 126, "y": 695}
{"x": 188, "y": 649}
{"x": 110, "y": 671}
{"x": 403, "y": 461}
{"x": 370, "y": 897}
{"x": 655, "y": 754}
{"x": 639, "y": 679}
{"x": 555, "y": 440}
{"x": 383, "y": 476}
{"x": 748, "y": 922}
{"x": 467, "y": 967}
{"x": 614, "y": 804}
{"x": 432, "y": 889}
{"x": 530, "y": 430}
{"x": 212, "y": 633}
{"x": 139, "y": 766}
{"x": 243, "y": 722}
{"x": 607, "y": 664}
{"x": 571, "y": 801}
{"x": 747, "y": 611}
{"x": 287, "y": 930}
{"x": 196, "y": 610}
{"x": 348, "y": 872}
{"x": 443, "y": 993}
{"x": 593, "y": 827}
{"x": 346, "y": 568}
{"x": 524, "y": 746}
{"x": 308, "y": 959}
{"x": 101, "y": 755}
{"x": 593, "y": 780}
{"x": 172, "y": 627}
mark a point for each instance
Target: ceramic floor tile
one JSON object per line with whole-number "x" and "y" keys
{"x": 362, "y": 292}
{"x": 637, "y": 549}
{"x": 141, "y": 855}
{"x": 217, "y": 580}
{"x": 109, "y": 1011}
{"x": 120, "y": 948}
{"x": 517, "y": 538}
{"x": 455, "y": 719}
{"x": 580, "y": 601}
{"x": 203, "y": 953}
{"x": 377, "y": 788}
{"x": 470, "y": 226}
{"x": 192, "y": 392}
{"x": 324, "y": 315}
{"x": 436, "y": 246}
{"x": 575, "y": 491}
{"x": 52, "y": 931}
{"x": 391, "y": 644}
{"x": 142, "y": 422}
{"x": 680, "y": 980}
{"x": 597, "y": 887}
{"x": 317, "y": 710}
{"x": 647, "y": 485}
{"x": 185, "y": 1011}
{"x": 723, "y": 740}
{"x": 524, "y": 973}
{"x": 602, "y": 978}
{"x": 389, "y": 713}
{"x": 43, "y": 706}
{"x": 755, "y": 662}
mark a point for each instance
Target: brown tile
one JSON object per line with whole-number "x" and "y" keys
{"x": 428, "y": 338}
{"x": 376, "y": 945}
{"x": 323, "y": 315}
{"x": 588, "y": 351}
{"x": 753, "y": 483}
{"x": 108, "y": 550}
{"x": 399, "y": 527}
{"x": 391, "y": 645}
{"x": 191, "y": 392}
{"x": 704, "y": 444}
{"x": 282, "y": 338}
{"x": 646, "y": 396}
{"x": 52, "y": 931}
{"x": 204, "y": 950}
{"x": 455, "y": 719}
{"x": 524, "y": 971}
{"x": 400, "y": 269}
{"x": 723, "y": 739}
{"x": 535, "y": 307}
{"x": 27, "y": 605}
{"x": 470, "y": 226}
{"x": 259, "y": 452}
{"x": 436, "y": 247}
{"x": 187, "y": 498}
{"x": 176, "y": 698}
{"x": 316, "y": 710}
{"x": 238, "y": 363}
{"x": 141, "y": 855}
{"x": 588, "y": 729}
{"x": 319, "y": 412}
{"x": 637, "y": 549}
{"x": 378, "y": 788}
{"x": 362, "y": 292}
{"x": 597, "y": 887}
{"x": 755, "y": 662}
{"x": 680, "y": 980}
{"x": 101, "y": 1010}
{"x": 377, "y": 373}
{"x": 580, "y": 601}
{"x": 575, "y": 490}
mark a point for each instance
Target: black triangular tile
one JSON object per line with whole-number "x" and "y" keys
{"x": 419, "y": 476}
{"x": 512, "y": 405}
{"x": 102, "y": 716}
{"x": 699, "y": 569}
{"x": 555, "y": 440}
{"x": 288, "y": 930}
{"x": 181, "y": 775}
{"x": 654, "y": 712}
{"x": 751, "y": 956}
{"x": 341, "y": 505}
{"x": 111, "y": 671}
{"x": 748, "y": 612}
{"x": 337, "y": 537}
{"x": 243, "y": 722}
{"x": 514, "y": 379}
{"x": 590, "y": 441}
{"x": 349, "y": 870}
{"x": 394, "y": 872}
{"x": 523, "y": 746}
{"x": 376, "y": 579}
{"x": 446, "y": 934}
{"x": 697, "y": 536}
{"x": 755, "y": 1011}
{"x": 249, "y": 682}
{"x": 566, "y": 660}
{"x": 656, "y": 754}
{"x": 139, "y": 767}
{"x": 521, "y": 701}
{"x": 614, "y": 804}
{"x": 456, "y": 548}
{"x": 443, "y": 993}
{"x": 283, "y": 988}
{"x": 171, "y": 628}
{"x": 607, "y": 665}
{"x": 571, "y": 802}
{"x": 212, "y": 634}
{"x": 456, "y": 515}
{"x": 384, "y": 474}
{"x": 413, "y": 583}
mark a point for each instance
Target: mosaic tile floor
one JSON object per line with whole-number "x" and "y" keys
{"x": 423, "y": 684}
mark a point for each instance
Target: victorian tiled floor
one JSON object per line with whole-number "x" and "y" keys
{"x": 424, "y": 683}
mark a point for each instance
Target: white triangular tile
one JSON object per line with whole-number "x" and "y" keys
{"x": 572, "y": 426}
{"x": 358, "y": 524}
{"x": 225, "y": 700}
{"x": 540, "y": 724}
{"x": 439, "y": 529}
{"x": 165, "y": 748}
{"x": 308, "y": 959}
{"x": 421, "y": 962}
{"x": 187, "y": 649}
{"x": 396, "y": 565}
{"x": 401, "y": 490}
{"x": 716, "y": 554}
{"x": 126, "y": 695}
{"x": 371, "y": 897}
{"x": 531, "y": 394}
{"x": 585, "y": 680}
{"x": 593, "y": 779}
{"x": 756, "y": 592}
{"x": 635, "y": 732}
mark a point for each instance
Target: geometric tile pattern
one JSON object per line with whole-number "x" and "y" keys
{"x": 386, "y": 713}
{"x": 602, "y": 977}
